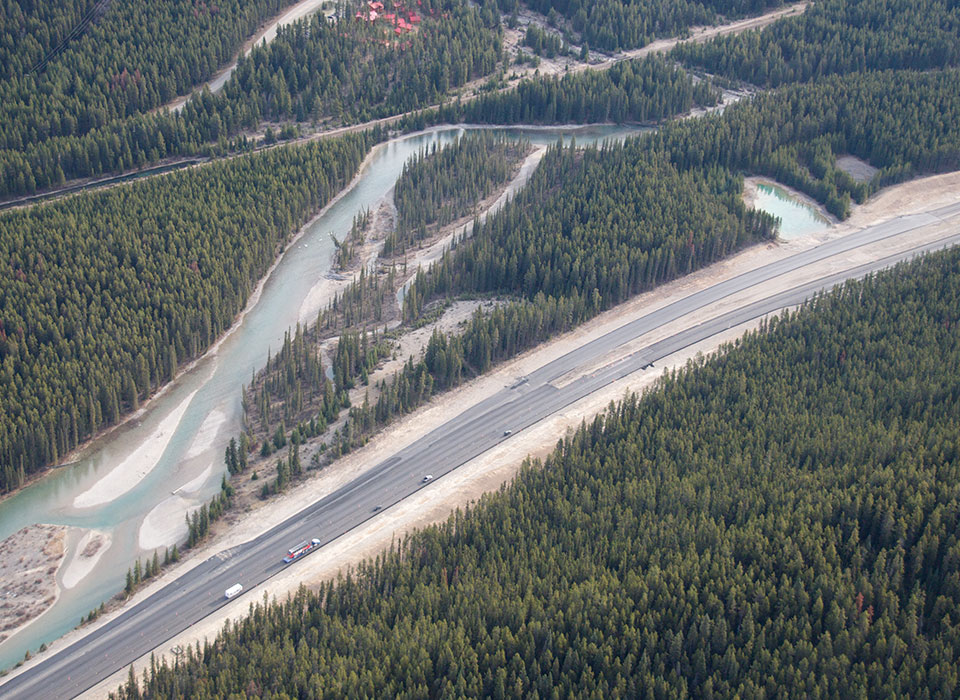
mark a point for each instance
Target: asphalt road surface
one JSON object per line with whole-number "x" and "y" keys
{"x": 200, "y": 591}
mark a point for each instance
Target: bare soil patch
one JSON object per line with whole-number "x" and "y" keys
{"x": 859, "y": 170}
{"x": 29, "y": 560}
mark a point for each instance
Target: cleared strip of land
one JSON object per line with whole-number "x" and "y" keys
{"x": 465, "y": 483}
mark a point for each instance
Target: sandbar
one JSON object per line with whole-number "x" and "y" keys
{"x": 134, "y": 469}
{"x": 29, "y": 560}
{"x": 207, "y": 433}
{"x": 165, "y": 524}
{"x": 87, "y": 553}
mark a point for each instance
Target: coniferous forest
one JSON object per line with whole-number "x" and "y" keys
{"x": 614, "y": 25}
{"x": 780, "y": 518}
{"x": 438, "y": 187}
{"x": 69, "y": 67}
{"x": 641, "y": 90}
{"x": 106, "y": 294}
{"x": 314, "y": 72}
{"x": 836, "y": 37}
{"x": 77, "y": 77}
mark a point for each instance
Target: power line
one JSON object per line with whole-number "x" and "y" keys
{"x": 74, "y": 33}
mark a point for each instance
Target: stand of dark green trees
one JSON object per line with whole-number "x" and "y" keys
{"x": 438, "y": 187}
{"x": 541, "y": 42}
{"x": 70, "y": 67}
{"x": 905, "y": 123}
{"x": 313, "y": 71}
{"x": 106, "y": 294}
{"x": 641, "y": 90}
{"x": 597, "y": 226}
{"x": 779, "y": 518}
{"x": 347, "y": 250}
{"x": 293, "y": 390}
{"x": 836, "y": 36}
{"x": 614, "y": 25}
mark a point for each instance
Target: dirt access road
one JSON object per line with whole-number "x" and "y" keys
{"x": 302, "y": 9}
{"x": 265, "y": 34}
{"x": 601, "y": 60}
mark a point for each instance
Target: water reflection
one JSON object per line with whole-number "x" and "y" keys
{"x": 796, "y": 218}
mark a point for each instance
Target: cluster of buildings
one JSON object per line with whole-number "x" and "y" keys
{"x": 401, "y": 19}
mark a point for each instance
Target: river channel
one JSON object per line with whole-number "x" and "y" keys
{"x": 134, "y": 485}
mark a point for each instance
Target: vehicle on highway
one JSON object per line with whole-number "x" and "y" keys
{"x": 377, "y": 509}
{"x": 428, "y": 477}
{"x": 233, "y": 591}
{"x": 300, "y": 550}
{"x": 507, "y": 432}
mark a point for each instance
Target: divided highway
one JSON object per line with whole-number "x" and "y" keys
{"x": 200, "y": 591}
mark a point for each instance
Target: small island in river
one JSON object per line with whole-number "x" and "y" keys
{"x": 29, "y": 559}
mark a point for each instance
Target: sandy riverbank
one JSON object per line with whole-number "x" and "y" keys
{"x": 137, "y": 465}
{"x": 497, "y": 466}
{"x": 29, "y": 560}
{"x": 207, "y": 433}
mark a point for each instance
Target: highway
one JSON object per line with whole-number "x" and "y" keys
{"x": 477, "y": 429}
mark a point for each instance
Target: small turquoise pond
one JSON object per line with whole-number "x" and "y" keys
{"x": 796, "y": 218}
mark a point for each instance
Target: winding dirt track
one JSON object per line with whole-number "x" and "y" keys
{"x": 302, "y": 9}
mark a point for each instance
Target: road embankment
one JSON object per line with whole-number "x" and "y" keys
{"x": 497, "y": 466}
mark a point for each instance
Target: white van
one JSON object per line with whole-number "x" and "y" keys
{"x": 233, "y": 591}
